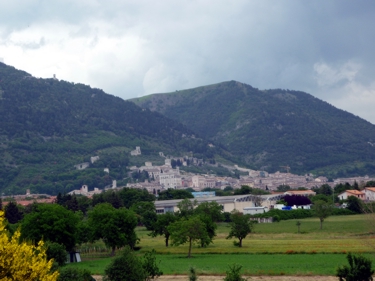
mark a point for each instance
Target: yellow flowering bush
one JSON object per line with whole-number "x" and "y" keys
{"x": 22, "y": 261}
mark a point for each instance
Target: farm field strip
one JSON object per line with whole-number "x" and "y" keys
{"x": 269, "y": 246}
{"x": 339, "y": 234}
{"x": 259, "y": 264}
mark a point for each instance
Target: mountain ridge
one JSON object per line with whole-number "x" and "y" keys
{"x": 47, "y": 126}
{"x": 269, "y": 127}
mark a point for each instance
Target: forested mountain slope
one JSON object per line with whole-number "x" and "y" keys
{"x": 47, "y": 126}
{"x": 273, "y": 128}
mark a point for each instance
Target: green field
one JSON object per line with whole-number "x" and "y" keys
{"x": 339, "y": 234}
{"x": 253, "y": 264}
{"x": 273, "y": 249}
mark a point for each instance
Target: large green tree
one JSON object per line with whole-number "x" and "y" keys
{"x": 130, "y": 196}
{"x": 210, "y": 209}
{"x": 115, "y": 226}
{"x": 186, "y": 207}
{"x": 160, "y": 227}
{"x": 188, "y": 230}
{"x": 51, "y": 222}
{"x": 210, "y": 213}
{"x": 240, "y": 226}
{"x": 146, "y": 213}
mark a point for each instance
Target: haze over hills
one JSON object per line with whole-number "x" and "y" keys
{"x": 47, "y": 126}
{"x": 273, "y": 128}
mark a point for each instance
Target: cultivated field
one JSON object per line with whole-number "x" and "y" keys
{"x": 273, "y": 249}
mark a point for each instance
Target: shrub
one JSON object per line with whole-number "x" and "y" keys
{"x": 75, "y": 274}
{"x": 21, "y": 260}
{"x": 126, "y": 267}
{"x": 192, "y": 274}
{"x": 56, "y": 252}
{"x": 355, "y": 204}
{"x": 276, "y": 218}
{"x": 360, "y": 268}
{"x": 233, "y": 273}
{"x": 131, "y": 268}
{"x": 342, "y": 212}
{"x": 149, "y": 265}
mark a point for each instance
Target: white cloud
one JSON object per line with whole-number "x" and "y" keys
{"x": 359, "y": 100}
{"x": 327, "y": 75}
{"x": 341, "y": 86}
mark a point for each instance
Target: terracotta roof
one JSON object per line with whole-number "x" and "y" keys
{"x": 354, "y": 191}
{"x": 370, "y": 188}
{"x": 300, "y": 192}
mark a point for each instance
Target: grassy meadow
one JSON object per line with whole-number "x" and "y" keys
{"x": 339, "y": 234}
{"x": 272, "y": 249}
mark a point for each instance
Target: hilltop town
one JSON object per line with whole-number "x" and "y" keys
{"x": 165, "y": 176}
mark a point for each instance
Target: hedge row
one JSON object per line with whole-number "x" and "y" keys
{"x": 299, "y": 214}
{"x": 286, "y": 215}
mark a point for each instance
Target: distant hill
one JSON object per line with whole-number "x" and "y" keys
{"x": 47, "y": 126}
{"x": 273, "y": 128}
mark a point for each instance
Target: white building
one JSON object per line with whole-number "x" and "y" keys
{"x": 228, "y": 203}
{"x": 136, "y": 152}
{"x": 170, "y": 180}
{"x": 198, "y": 181}
{"x": 254, "y": 210}
{"x": 370, "y": 193}
{"x": 84, "y": 190}
{"x": 93, "y": 159}
{"x": 344, "y": 195}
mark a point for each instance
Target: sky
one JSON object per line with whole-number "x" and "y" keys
{"x": 135, "y": 48}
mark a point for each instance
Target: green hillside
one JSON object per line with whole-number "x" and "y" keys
{"x": 273, "y": 128}
{"x": 47, "y": 126}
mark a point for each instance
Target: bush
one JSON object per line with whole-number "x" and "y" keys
{"x": 56, "y": 252}
{"x": 341, "y": 212}
{"x": 233, "y": 273}
{"x": 355, "y": 204}
{"x": 360, "y": 268}
{"x": 75, "y": 274}
{"x": 129, "y": 267}
{"x": 126, "y": 267}
{"x": 149, "y": 265}
{"x": 192, "y": 274}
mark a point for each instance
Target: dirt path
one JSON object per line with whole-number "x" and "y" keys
{"x": 250, "y": 278}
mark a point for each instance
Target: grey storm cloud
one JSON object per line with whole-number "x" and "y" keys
{"x": 133, "y": 48}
